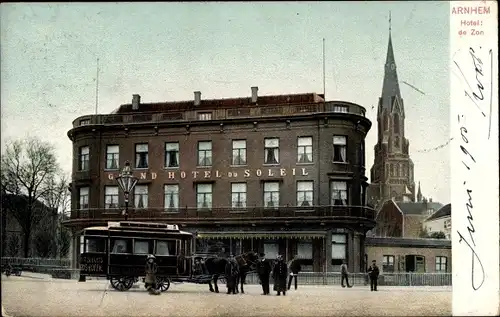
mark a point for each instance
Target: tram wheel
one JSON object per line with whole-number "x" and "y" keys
{"x": 122, "y": 283}
{"x": 163, "y": 283}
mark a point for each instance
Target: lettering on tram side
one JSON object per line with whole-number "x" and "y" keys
{"x": 214, "y": 174}
{"x": 91, "y": 264}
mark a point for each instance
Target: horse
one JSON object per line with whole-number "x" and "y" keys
{"x": 216, "y": 266}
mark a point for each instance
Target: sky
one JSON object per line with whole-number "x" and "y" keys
{"x": 166, "y": 51}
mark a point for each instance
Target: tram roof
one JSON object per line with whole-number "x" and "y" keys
{"x": 133, "y": 226}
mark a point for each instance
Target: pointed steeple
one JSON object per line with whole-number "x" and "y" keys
{"x": 419, "y": 193}
{"x": 390, "y": 88}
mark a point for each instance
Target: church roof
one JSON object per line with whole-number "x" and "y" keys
{"x": 444, "y": 211}
{"x": 416, "y": 208}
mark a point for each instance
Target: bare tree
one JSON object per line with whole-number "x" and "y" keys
{"x": 28, "y": 169}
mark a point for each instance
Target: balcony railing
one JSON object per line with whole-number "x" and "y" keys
{"x": 223, "y": 114}
{"x": 186, "y": 214}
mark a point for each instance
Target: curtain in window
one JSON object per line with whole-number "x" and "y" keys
{"x": 271, "y": 194}
{"x": 304, "y": 194}
{"x": 111, "y": 196}
{"x": 339, "y": 246}
{"x": 339, "y": 193}
{"x": 272, "y": 151}
{"x": 239, "y": 152}
{"x": 172, "y": 156}
{"x": 141, "y": 196}
{"x": 162, "y": 248}
{"x": 305, "y": 150}
{"x": 339, "y": 143}
{"x": 84, "y": 197}
{"x": 112, "y": 156}
{"x": 204, "y": 196}
{"x": 120, "y": 246}
{"x": 171, "y": 196}
{"x": 238, "y": 196}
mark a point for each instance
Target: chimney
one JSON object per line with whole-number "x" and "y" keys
{"x": 136, "y": 101}
{"x": 254, "y": 94}
{"x": 197, "y": 98}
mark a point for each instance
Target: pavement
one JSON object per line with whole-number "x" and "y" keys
{"x": 32, "y": 295}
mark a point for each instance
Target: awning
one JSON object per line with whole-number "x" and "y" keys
{"x": 261, "y": 234}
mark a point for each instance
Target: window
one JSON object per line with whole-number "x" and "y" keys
{"x": 165, "y": 248}
{"x": 121, "y": 246}
{"x": 238, "y": 195}
{"x": 205, "y": 153}
{"x": 112, "y": 157}
{"x": 239, "y": 152}
{"x": 339, "y": 193}
{"x": 143, "y": 246}
{"x": 339, "y": 248}
{"x": 272, "y": 151}
{"x": 362, "y": 153}
{"x": 305, "y": 250}
{"x": 396, "y": 142}
{"x": 271, "y": 194}
{"x": 339, "y": 149}
{"x": 304, "y": 193}
{"x": 204, "y": 196}
{"x": 171, "y": 197}
{"x": 84, "y": 122}
{"x": 111, "y": 197}
{"x": 441, "y": 264}
{"x": 172, "y": 154}
{"x": 447, "y": 224}
{"x": 204, "y": 116}
{"x": 141, "y": 196}
{"x": 141, "y": 155}
{"x": 386, "y": 122}
{"x": 305, "y": 150}
{"x": 84, "y": 158}
{"x": 95, "y": 245}
{"x": 340, "y": 109}
{"x": 388, "y": 263}
{"x": 83, "y": 200}
{"x": 396, "y": 123}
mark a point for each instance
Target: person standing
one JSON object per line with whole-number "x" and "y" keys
{"x": 345, "y": 274}
{"x": 280, "y": 272}
{"x": 150, "y": 280}
{"x": 373, "y": 273}
{"x": 294, "y": 268}
{"x": 264, "y": 270}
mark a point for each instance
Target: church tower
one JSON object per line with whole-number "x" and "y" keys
{"x": 392, "y": 171}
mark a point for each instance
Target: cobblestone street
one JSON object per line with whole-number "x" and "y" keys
{"x": 42, "y": 296}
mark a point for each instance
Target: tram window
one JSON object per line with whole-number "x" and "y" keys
{"x": 165, "y": 248}
{"x": 143, "y": 246}
{"x": 121, "y": 246}
{"x": 95, "y": 245}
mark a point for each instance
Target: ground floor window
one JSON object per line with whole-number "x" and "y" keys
{"x": 415, "y": 263}
{"x": 271, "y": 250}
{"x": 388, "y": 263}
{"x": 339, "y": 249}
{"x": 441, "y": 264}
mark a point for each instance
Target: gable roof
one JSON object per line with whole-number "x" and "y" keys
{"x": 444, "y": 211}
{"x": 416, "y": 208}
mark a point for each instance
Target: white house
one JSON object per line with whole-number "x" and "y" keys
{"x": 440, "y": 221}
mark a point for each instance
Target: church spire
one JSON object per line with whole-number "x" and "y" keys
{"x": 419, "y": 193}
{"x": 390, "y": 88}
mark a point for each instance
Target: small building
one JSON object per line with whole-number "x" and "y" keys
{"x": 440, "y": 221}
{"x": 403, "y": 219}
{"x": 400, "y": 255}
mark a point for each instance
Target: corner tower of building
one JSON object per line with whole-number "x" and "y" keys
{"x": 392, "y": 171}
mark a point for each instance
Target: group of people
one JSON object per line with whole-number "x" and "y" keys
{"x": 280, "y": 271}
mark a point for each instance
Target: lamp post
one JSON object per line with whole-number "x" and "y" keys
{"x": 127, "y": 182}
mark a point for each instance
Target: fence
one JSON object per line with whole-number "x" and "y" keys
{"x": 387, "y": 279}
{"x": 34, "y": 262}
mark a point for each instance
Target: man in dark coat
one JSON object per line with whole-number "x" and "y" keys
{"x": 231, "y": 272}
{"x": 294, "y": 268}
{"x": 280, "y": 273}
{"x": 373, "y": 273}
{"x": 344, "y": 274}
{"x": 264, "y": 270}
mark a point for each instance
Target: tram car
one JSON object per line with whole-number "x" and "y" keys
{"x": 119, "y": 250}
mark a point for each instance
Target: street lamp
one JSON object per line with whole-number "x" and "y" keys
{"x": 127, "y": 183}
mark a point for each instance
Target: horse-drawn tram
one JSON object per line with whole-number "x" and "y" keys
{"x": 119, "y": 251}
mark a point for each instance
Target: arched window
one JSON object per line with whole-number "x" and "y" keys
{"x": 396, "y": 123}
{"x": 386, "y": 122}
